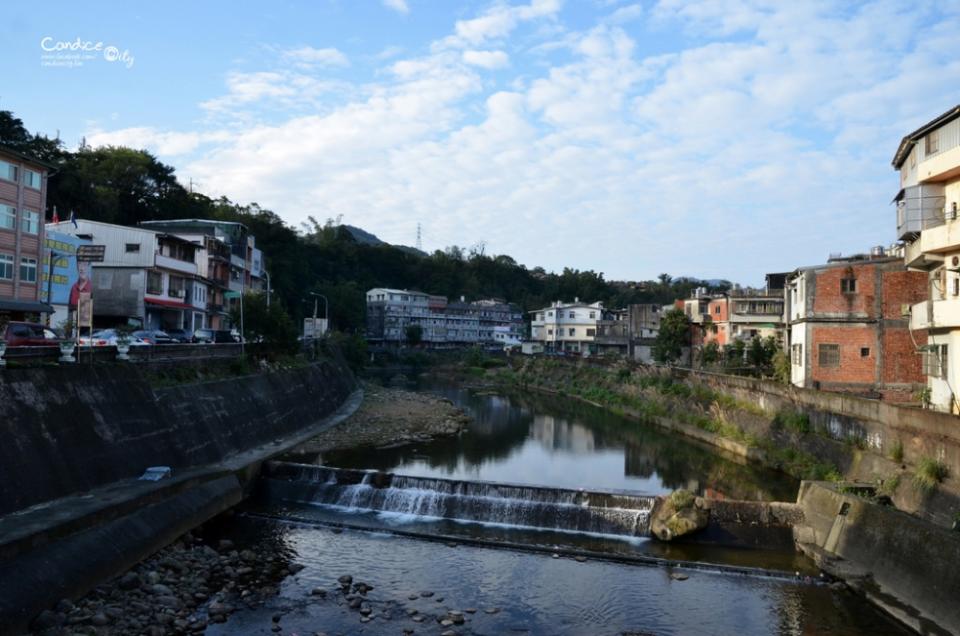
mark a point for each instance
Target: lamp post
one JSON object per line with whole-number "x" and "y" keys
{"x": 53, "y": 257}
{"x": 267, "y": 275}
{"x": 326, "y": 311}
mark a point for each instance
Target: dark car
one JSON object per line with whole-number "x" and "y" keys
{"x": 154, "y": 337}
{"x": 28, "y": 334}
{"x": 181, "y": 335}
{"x": 214, "y": 336}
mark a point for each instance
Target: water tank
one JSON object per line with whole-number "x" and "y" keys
{"x": 876, "y": 251}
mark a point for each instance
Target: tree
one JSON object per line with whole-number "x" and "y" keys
{"x": 673, "y": 336}
{"x": 414, "y": 334}
{"x": 269, "y": 325}
{"x": 710, "y": 354}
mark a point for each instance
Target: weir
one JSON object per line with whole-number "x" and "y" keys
{"x": 528, "y": 507}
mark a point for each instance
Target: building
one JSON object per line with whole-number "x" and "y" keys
{"x": 244, "y": 263}
{"x": 443, "y": 323}
{"x": 850, "y": 327}
{"x": 23, "y": 200}
{"x": 569, "y": 327}
{"x": 147, "y": 276}
{"x": 630, "y": 332}
{"x": 928, "y": 160}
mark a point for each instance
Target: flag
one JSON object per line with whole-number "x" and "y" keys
{"x": 73, "y": 218}
{"x": 56, "y": 217}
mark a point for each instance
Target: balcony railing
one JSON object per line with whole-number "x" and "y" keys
{"x": 921, "y": 208}
{"x": 176, "y": 265}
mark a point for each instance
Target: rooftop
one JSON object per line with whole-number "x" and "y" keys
{"x": 903, "y": 150}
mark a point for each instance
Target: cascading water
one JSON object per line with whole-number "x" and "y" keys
{"x": 608, "y": 513}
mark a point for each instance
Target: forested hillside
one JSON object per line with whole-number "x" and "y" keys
{"x": 126, "y": 186}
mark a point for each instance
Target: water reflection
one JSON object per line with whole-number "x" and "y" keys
{"x": 559, "y": 442}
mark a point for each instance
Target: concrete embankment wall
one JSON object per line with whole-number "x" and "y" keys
{"x": 905, "y": 565}
{"x": 71, "y": 429}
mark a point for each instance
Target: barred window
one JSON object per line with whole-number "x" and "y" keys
{"x": 848, "y": 285}
{"x": 935, "y": 361}
{"x": 797, "y": 354}
{"x": 829, "y": 355}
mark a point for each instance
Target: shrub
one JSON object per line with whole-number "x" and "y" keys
{"x": 929, "y": 473}
{"x": 889, "y": 485}
{"x": 896, "y": 453}
{"x": 681, "y": 499}
{"x": 794, "y": 421}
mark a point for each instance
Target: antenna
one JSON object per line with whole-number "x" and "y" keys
{"x": 419, "y": 238}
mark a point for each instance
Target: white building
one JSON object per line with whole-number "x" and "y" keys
{"x": 568, "y": 327}
{"x": 146, "y": 275}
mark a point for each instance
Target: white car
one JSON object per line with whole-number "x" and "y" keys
{"x": 107, "y": 338}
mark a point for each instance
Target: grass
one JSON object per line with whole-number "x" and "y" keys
{"x": 929, "y": 473}
{"x": 794, "y": 421}
{"x": 681, "y": 499}
{"x": 888, "y": 486}
{"x": 896, "y": 453}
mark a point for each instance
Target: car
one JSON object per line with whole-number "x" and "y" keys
{"x": 154, "y": 337}
{"x": 214, "y": 336}
{"x": 181, "y": 335}
{"x": 28, "y": 334}
{"x": 108, "y": 338}
{"x": 203, "y": 336}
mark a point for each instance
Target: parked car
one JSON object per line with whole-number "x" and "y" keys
{"x": 216, "y": 336}
{"x": 29, "y": 334}
{"x": 154, "y": 337}
{"x": 181, "y": 335}
{"x": 108, "y": 338}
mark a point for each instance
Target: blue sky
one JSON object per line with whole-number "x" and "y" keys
{"x": 715, "y": 138}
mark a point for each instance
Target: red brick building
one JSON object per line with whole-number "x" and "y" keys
{"x": 23, "y": 196}
{"x": 849, "y": 327}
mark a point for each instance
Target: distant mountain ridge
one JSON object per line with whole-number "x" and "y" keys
{"x": 366, "y": 238}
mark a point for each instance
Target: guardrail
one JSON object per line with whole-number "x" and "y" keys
{"x": 143, "y": 353}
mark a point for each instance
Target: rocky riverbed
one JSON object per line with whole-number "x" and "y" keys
{"x": 390, "y": 416}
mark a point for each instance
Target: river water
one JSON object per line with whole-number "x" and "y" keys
{"x": 423, "y": 568}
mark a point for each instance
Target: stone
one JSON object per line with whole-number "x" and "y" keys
{"x": 225, "y": 544}
{"x": 276, "y": 628}
{"x": 412, "y": 611}
{"x": 419, "y": 618}
{"x": 346, "y": 579}
{"x": 46, "y": 620}
{"x": 471, "y": 610}
{"x": 356, "y": 603}
{"x": 426, "y": 594}
{"x": 492, "y": 610}
{"x": 446, "y": 622}
{"x": 366, "y": 611}
{"x": 318, "y": 591}
{"x": 169, "y": 601}
{"x": 295, "y": 567}
{"x": 100, "y": 619}
{"x": 677, "y": 515}
{"x": 161, "y": 590}
{"x": 679, "y": 576}
{"x": 365, "y": 619}
{"x": 413, "y": 597}
{"x": 555, "y": 555}
{"x": 580, "y": 558}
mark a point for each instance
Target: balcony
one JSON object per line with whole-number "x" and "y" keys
{"x": 176, "y": 265}
{"x": 919, "y": 208}
{"x": 936, "y": 314}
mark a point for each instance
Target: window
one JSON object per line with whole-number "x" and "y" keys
{"x": 6, "y": 267}
{"x": 154, "y": 283}
{"x": 8, "y": 217}
{"x": 573, "y": 314}
{"x": 549, "y": 332}
{"x": 935, "y": 361}
{"x": 716, "y": 309}
{"x": 28, "y": 270}
{"x": 591, "y": 332}
{"x": 132, "y": 248}
{"x": 549, "y": 314}
{"x": 593, "y": 314}
{"x": 796, "y": 352}
{"x": 540, "y": 317}
{"x": 572, "y": 331}
{"x": 29, "y": 222}
{"x": 933, "y": 143}
{"x": 8, "y": 171}
{"x": 31, "y": 179}
{"x": 848, "y": 285}
{"x": 864, "y": 352}
{"x": 956, "y": 285}
{"x": 829, "y": 355}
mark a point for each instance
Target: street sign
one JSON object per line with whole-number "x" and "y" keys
{"x": 91, "y": 253}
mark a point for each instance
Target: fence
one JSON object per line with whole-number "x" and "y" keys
{"x": 35, "y": 356}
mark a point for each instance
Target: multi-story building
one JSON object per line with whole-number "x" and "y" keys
{"x": 23, "y": 196}
{"x": 850, "y": 328}
{"x": 629, "y": 332}
{"x": 570, "y": 327}
{"x": 928, "y": 160}
{"x": 443, "y": 324}
{"x": 146, "y": 276}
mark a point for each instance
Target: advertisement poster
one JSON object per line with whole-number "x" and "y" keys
{"x": 65, "y": 273}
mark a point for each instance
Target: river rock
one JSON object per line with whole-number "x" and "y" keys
{"x": 677, "y": 515}
{"x": 345, "y": 580}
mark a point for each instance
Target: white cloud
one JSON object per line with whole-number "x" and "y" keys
{"x": 146, "y": 138}
{"x": 486, "y": 59}
{"x": 307, "y": 56}
{"x": 760, "y": 145}
{"x": 400, "y": 6}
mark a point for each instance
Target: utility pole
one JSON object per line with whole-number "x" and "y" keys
{"x": 326, "y": 312}
{"x": 267, "y": 274}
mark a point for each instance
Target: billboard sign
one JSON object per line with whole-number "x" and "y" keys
{"x": 65, "y": 272}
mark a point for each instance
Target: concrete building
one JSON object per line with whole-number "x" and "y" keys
{"x": 630, "y": 332}
{"x": 928, "y": 160}
{"x": 146, "y": 276}
{"x": 23, "y": 201}
{"x": 569, "y": 327}
{"x": 850, "y": 328}
{"x": 443, "y": 323}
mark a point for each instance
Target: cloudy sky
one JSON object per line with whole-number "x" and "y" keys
{"x": 714, "y": 138}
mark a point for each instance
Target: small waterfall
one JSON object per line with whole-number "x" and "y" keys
{"x": 616, "y": 513}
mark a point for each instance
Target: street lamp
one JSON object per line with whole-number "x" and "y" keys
{"x": 326, "y": 311}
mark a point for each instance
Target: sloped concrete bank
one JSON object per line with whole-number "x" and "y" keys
{"x": 77, "y": 438}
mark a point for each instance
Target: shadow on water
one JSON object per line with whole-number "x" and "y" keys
{"x": 561, "y": 442}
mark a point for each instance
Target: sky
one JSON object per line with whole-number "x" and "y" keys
{"x": 708, "y": 138}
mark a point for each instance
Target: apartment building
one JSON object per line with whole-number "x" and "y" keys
{"x": 928, "y": 160}
{"x": 630, "y": 332}
{"x": 443, "y": 323}
{"x": 146, "y": 276}
{"x": 569, "y": 327}
{"x": 23, "y": 200}
{"x": 849, "y": 326}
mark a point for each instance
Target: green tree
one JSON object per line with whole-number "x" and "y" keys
{"x": 269, "y": 325}
{"x": 710, "y": 354}
{"x": 413, "y": 334}
{"x": 673, "y": 336}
